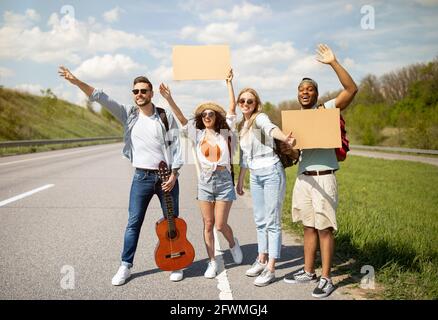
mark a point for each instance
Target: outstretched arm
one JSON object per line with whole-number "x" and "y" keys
{"x": 276, "y": 133}
{"x": 326, "y": 56}
{"x": 165, "y": 92}
{"x": 113, "y": 106}
{"x": 232, "y": 107}
{"x": 67, "y": 75}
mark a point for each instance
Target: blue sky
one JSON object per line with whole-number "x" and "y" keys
{"x": 108, "y": 43}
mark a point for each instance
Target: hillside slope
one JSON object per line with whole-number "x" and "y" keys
{"x": 25, "y": 116}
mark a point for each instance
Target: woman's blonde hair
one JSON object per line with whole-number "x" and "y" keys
{"x": 257, "y": 109}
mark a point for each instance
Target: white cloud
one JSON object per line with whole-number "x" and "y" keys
{"x": 218, "y": 33}
{"x": 244, "y": 12}
{"x": 188, "y": 32}
{"x": 29, "y": 88}
{"x": 161, "y": 74}
{"x": 223, "y": 33}
{"x": 348, "y": 63}
{"x": 63, "y": 42}
{"x": 21, "y": 21}
{"x": 108, "y": 68}
{"x": 111, "y": 40}
{"x": 63, "y": 91}
{"x": 269, "y": 55}
{"x": 112, "y": 15}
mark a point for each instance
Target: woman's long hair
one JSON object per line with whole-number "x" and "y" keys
{"x": 257, "y": 109}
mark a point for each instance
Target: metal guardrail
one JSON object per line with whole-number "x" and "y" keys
{"x": 24, "y": 143}
{"x": 394, "y": 149}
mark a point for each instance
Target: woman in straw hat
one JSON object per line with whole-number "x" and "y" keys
{"x": 211, "y": 131}
{"x": 267, "y": 181}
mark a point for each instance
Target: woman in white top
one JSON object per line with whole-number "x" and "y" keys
{"x": 211, "y": 131}
{"x": 267, "y": 181}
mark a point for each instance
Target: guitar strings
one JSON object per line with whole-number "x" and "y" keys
{"x": 167, "y": 199}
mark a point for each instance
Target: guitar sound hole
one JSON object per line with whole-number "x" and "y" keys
{"x": 172, "y": 234}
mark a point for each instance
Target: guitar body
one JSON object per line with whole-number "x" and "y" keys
{"x": 173, "y": 254}
{"x": 173, "y": 251}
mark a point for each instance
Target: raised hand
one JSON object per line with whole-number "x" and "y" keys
{"x": 230, "y": 75}
{"x": 165, "y": 91}
{"x": 67, "y": 75}
{"x": 325, "y": 54}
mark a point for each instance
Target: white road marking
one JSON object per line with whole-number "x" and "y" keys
{"x": 225, "y": 292}
{"x": 26, "y": 194}
{"x": 47, "y": 157}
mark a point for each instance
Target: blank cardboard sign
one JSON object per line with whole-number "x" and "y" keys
{"x": 201, "y": 62}
{"x": 314, "y": 128}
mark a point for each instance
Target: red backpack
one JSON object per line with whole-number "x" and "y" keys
{"x": 341, "y": 153}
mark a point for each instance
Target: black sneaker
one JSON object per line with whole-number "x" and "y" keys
{"x": 300, "y": 276}
{"x": 324, "y": 288}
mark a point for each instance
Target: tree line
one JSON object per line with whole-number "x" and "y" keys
{"x": 399, "y": 108}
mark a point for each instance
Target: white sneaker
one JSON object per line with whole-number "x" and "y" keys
{"x": 236, "y": 252}
{"x": 256, "y": 268}
{"x": 211, "y": 271}
{"x": 265, "y": 278}
{"x": 121, "y": 276}
{"x": 176, "y": 275}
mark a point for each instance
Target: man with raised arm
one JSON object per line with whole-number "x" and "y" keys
{"x": 315, "y": 194}
{"x": 148, "y": 141}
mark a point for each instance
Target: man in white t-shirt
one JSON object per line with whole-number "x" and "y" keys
{"x": 315, "y": 194}
{"x": 151, "y": 136}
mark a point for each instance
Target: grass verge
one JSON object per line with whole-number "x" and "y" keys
{"x": 387, "y": 219}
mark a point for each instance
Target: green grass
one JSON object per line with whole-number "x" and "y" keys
{"x": 24, "y": 117}
{"x": 387, "y": 218}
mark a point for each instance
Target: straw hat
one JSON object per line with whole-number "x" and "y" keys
{"x": 209, "y": 106}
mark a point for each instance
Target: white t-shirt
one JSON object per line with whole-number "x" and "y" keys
{"x": 147, "y": 151}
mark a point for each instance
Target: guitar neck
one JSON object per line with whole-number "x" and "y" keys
{"x": 169, "y": 205}
{"x": 164, "y": 174}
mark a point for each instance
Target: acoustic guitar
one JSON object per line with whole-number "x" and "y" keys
{"x": 173, "y": 251}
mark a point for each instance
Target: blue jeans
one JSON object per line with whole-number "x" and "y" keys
{"x": 144, "y": 185}
{"x": 268, "y": 186}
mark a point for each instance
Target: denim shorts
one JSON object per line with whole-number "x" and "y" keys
{"x": 218, "y": 187}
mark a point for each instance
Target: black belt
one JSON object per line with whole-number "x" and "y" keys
{"x": 318, "y": 173}
{"x": 148, "y": 170}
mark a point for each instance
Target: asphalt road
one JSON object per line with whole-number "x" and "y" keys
{"x": 394, "y": 156}
{"x": 64, "y": 241}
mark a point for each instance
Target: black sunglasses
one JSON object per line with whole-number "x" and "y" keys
{"x": 143, "y": 91}
{"x": 249, "y": 101}
{"x": 209, "y": 114}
